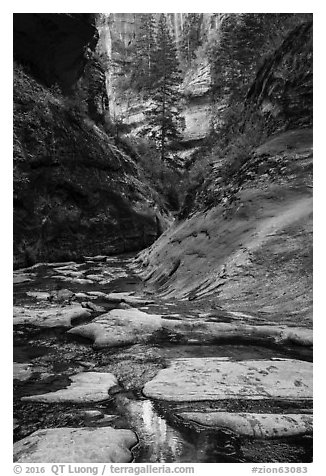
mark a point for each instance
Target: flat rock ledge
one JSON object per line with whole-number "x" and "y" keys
{"x": 119, "y": 327}
{"x": 126, "y": 297}
{"x": 131, "y": 326}
{"x": 52, "y": 316}
{"x": 200, "y": 379}
{"x": 20, "y": 278}
{"x": 76, "y": 445}
{"x": 85, "y": 387}
{"x": 256, "y": 425}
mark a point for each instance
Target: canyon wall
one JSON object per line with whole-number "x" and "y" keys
{"x": 117, "y": 33}
{"x": 76, "y": 192}
{"x": 245, "y": 241}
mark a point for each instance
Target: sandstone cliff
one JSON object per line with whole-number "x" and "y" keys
{"x": 245, "y": 241}
{"x": 116, "y": 36}
{"x": 75, "y": 191}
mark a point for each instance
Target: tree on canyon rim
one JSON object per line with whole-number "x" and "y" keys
{"x": 143, "y": 65}
{"x": 163, "y": 115}
{"x": 191, "y": 37}
{"x": 235, "y": 54}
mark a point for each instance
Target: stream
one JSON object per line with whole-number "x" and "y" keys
{"x": 55, "y": 356}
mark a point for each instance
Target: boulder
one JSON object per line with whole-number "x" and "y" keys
{"x": 76, "y": 445}
{"x": 85, "y": 387}
{"x": 61, "y": 295}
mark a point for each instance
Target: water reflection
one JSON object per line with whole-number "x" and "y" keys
{"x": 162, "y": 440}
{"x": 165, "y": 443}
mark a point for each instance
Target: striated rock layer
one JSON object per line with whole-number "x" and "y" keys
{"x": 251, "y": 249}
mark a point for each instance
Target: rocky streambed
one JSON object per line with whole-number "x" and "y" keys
{"x": 104, "y": 370}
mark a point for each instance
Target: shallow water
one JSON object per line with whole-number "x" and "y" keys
{"x": 162, "y": 438}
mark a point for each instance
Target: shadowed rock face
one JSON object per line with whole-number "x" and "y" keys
{"x": 75, "y": 193}
{"x": 53, "y": 45}
{"x": 283, "y": 85}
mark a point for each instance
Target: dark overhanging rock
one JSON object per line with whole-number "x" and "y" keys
{"x": 53, "y": 45}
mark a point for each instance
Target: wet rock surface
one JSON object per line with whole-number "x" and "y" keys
{"x": 67, "y": 386}
{"x": 216, "y": 378}
{"x": 258, "y": 425}
{"x": 84, "y": 388}
{"x": 76, "y": 445}
{"x": 22, "y": 371}
{"x": 51, "y": 317}
{"x": 119, "y": 327}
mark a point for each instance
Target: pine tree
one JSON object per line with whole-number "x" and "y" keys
{"x": 191, "y": 38}
{"x": 144, "y": 51}
{"x": 244, "y": 40}
{"x": 164, "y": 116}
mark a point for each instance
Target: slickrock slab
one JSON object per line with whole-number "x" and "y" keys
{"x": 69, "y": 279}
{"x": 84, "y": 296}
{"x": 76, "y": 445}
{"x": 223, "y": 331}
{"x": 200, "y": 379}
{"x": 98, "y": 258}
{"x": 257, "y": 425}
{"x": 72, "y": 266}
{"x": 40, "y": 295}
{"x": 95, "y": 277}
{"x": 85, "y": 387}
{"x": 96, "y": 294}
{"x": 127, "y": 298}
{"x": 63, "y": 264}
{"x": 69, "y": 272}
{"x": 22, "y": 278}
{"x": 52, "y": 316}
{"x": 119, "y": 327}
{"x": 22, "y": 371}
{"x": 92, "y": 307}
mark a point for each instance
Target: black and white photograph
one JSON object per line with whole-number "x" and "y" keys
{"x": 162, "y": 240}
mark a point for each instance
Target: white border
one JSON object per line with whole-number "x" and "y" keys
{"x": 319, "y": 177}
